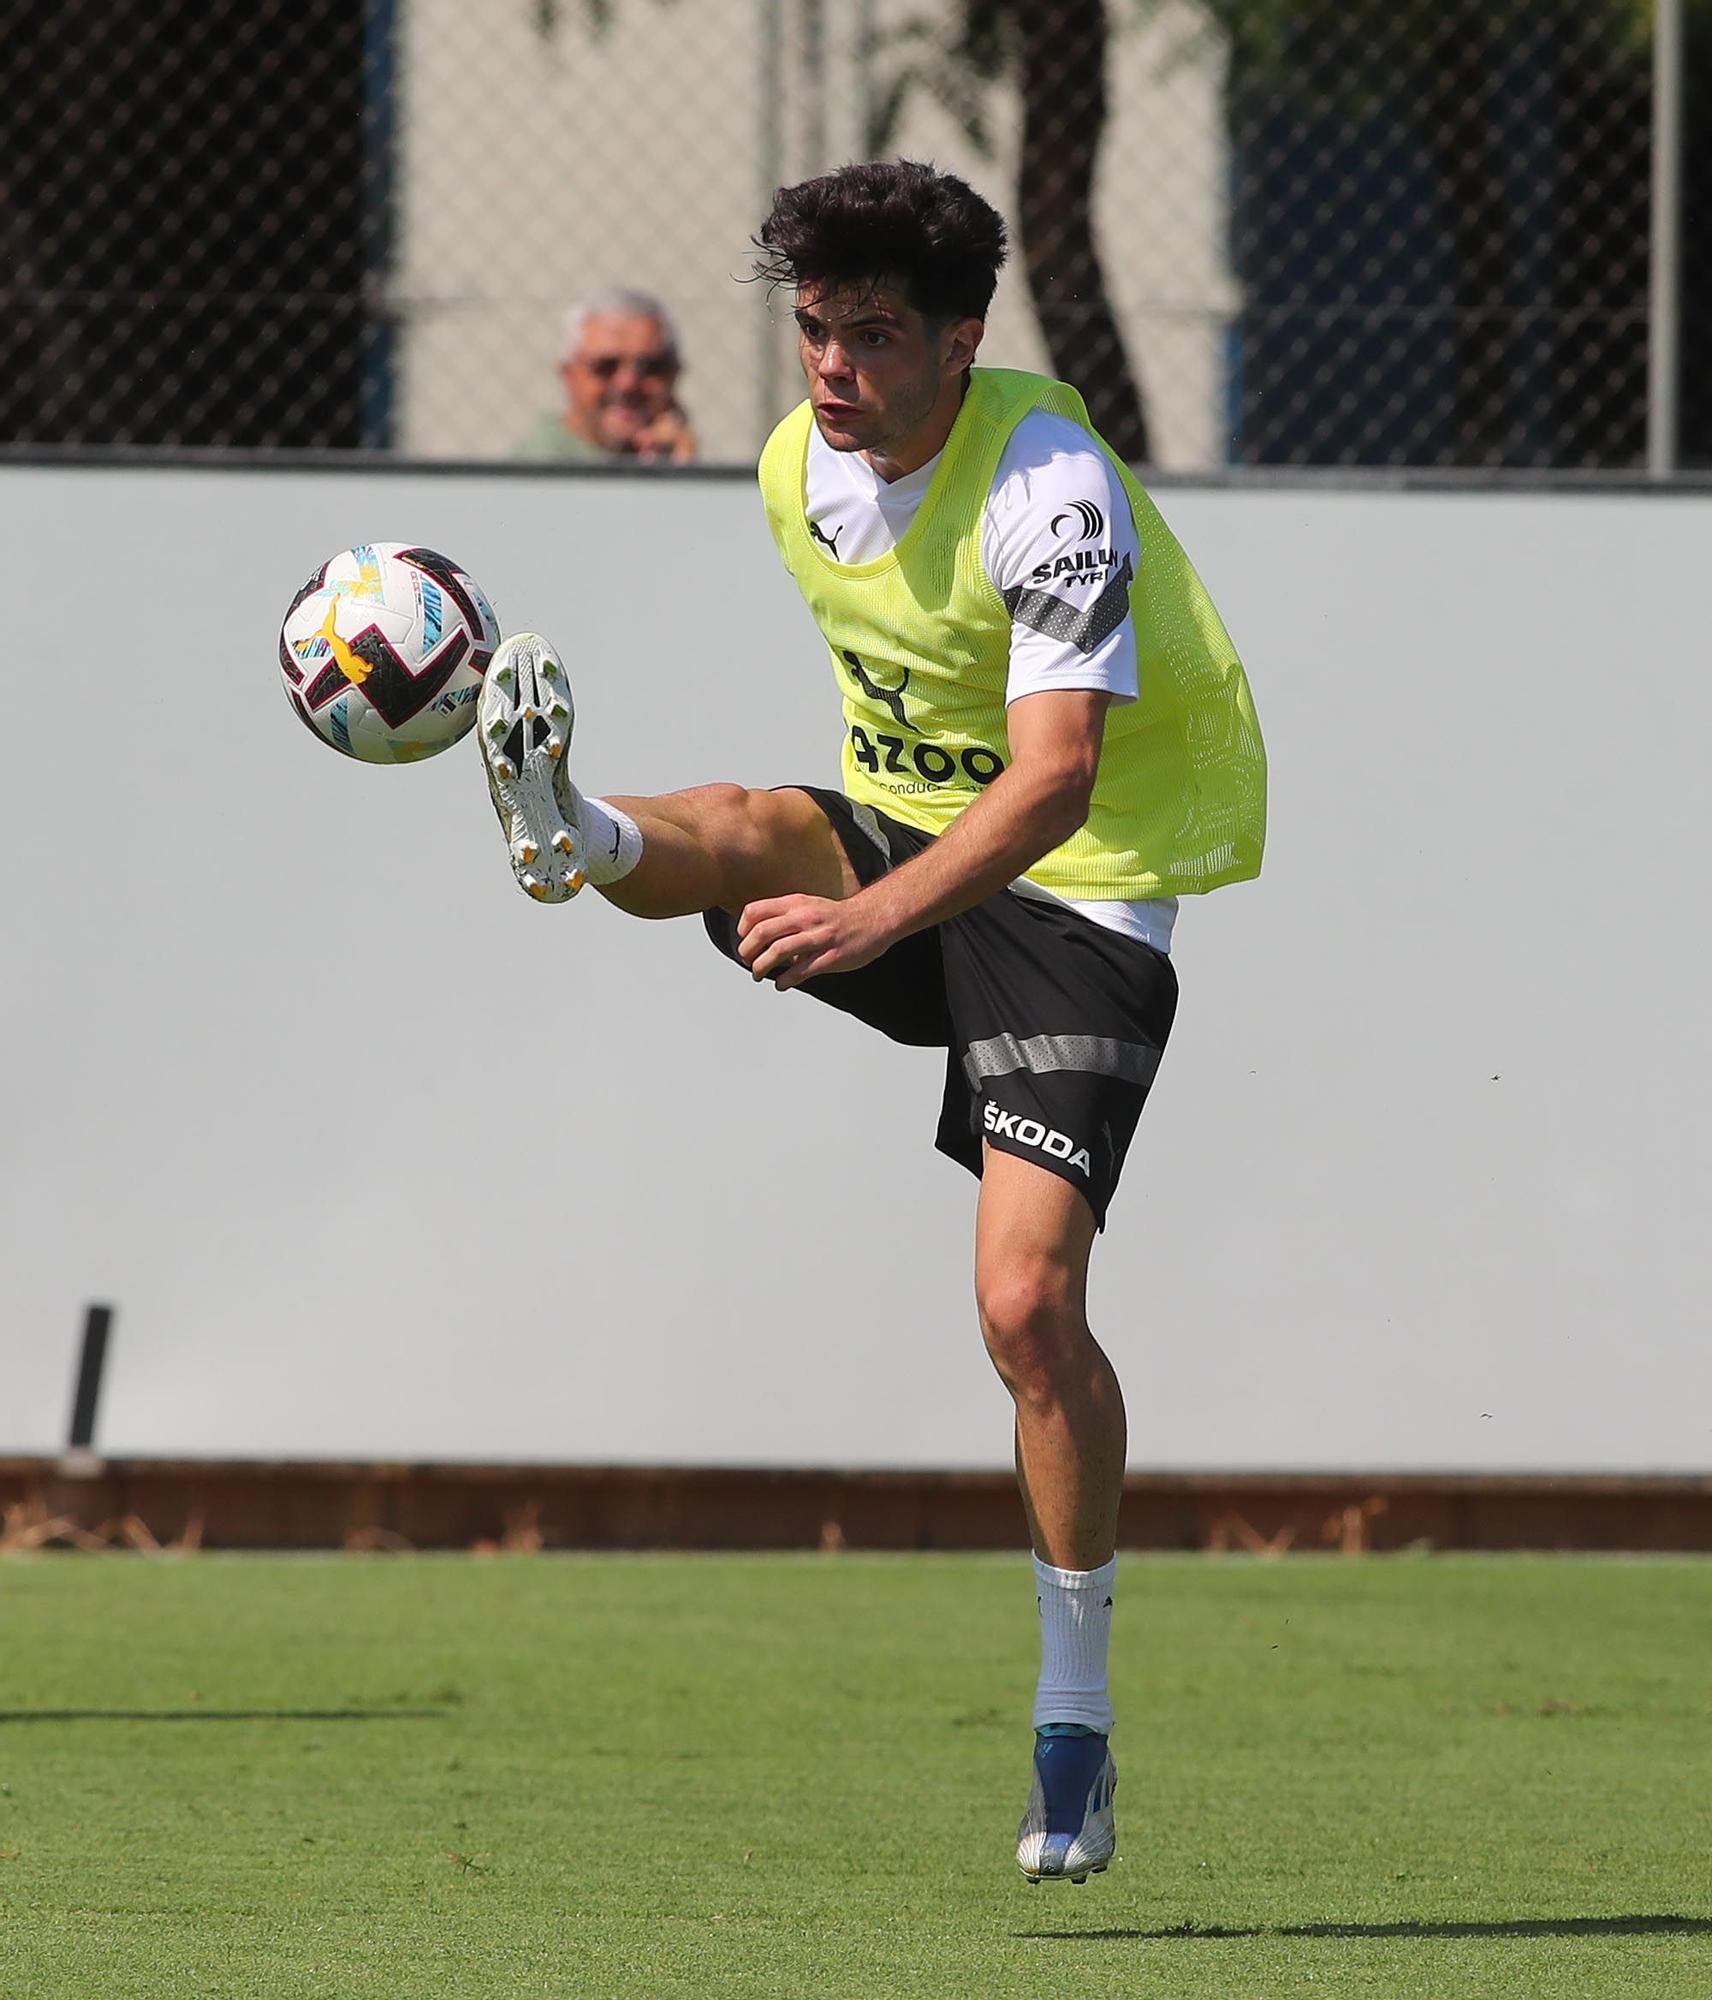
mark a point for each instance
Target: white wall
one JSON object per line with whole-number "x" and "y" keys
{"x": 376, "y": 1157}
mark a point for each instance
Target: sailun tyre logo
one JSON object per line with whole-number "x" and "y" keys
{"x": 1085, "y": 515}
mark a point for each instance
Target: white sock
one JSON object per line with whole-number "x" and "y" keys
{"x": 612, "y": 838}
{"x": 1075, "y": 1631}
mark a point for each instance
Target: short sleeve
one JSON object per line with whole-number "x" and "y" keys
{"x": 1060, "y": 547}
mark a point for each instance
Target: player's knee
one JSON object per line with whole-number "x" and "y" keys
{"x": 721, "y": 821}
{"x": 724, "y": 811}
{"x": 1031, "y": 1319}
{"x": 734, "y": 820}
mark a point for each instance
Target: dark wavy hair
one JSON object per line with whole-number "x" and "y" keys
{"x": 881, "y": 219}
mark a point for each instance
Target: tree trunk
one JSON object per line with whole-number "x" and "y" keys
{"x": 1062, "y": 48}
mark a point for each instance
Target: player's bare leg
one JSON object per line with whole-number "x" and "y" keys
{"x": 1033, "y": 1236}
{"x": 721, "y": 846}
{"x": 716, "y": 847}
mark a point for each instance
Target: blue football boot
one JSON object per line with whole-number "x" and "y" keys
{"x": 1068, "y": 1829}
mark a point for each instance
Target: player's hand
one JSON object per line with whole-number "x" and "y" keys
{"x": 792, "y": 938}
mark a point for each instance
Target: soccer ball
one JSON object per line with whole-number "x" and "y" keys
{"x": 383, "y": 651}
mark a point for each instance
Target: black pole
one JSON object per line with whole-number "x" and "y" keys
{"x": 97, "y": 1322}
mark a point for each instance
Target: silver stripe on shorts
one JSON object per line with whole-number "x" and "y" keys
{"x": 864, "y": 818}
{"x": 1101, "y": 1055}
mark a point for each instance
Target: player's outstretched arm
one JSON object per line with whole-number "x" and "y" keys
{"x": 1035, "y": 804}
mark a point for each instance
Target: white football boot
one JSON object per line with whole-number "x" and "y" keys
{"x": 524, "y": 721}
{"x": 1068, "y": 1831}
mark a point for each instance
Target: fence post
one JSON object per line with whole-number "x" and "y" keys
{"x": 1664, "y": 301}
{"x": 769, "y": 117}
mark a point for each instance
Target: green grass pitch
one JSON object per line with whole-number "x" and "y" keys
{"x": 352, "y": 1778}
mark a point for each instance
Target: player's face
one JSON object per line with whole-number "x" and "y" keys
{"x": 882, "y": 379}
{"x": 620, "y": 379}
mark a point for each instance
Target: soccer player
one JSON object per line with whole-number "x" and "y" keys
{"x": 1049, "y": 740}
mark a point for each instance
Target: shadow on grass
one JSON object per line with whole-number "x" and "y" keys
{"x": 219, "y": 1714}
{"x": 1518, "y": 1927}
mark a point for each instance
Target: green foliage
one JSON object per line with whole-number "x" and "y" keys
{"x": 771, "y": 1778}
{"x": 953, "y": 56}
{"x": 1268, "y": 38}
{"x": 595, "y": 16}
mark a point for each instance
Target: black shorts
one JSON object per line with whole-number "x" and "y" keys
{"x": 1053, "y": 1025}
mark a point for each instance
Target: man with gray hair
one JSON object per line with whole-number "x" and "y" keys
{"x": 620, "y": 366}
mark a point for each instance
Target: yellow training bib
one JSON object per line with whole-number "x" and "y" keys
{"x": 920, "y": 642}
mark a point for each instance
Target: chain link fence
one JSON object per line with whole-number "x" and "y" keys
{"x": 1253, "y": 232}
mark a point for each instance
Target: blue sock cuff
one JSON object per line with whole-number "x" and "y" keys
{"x": 1065, "y": 1729}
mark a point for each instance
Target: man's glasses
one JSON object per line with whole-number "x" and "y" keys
{"x": 653, "y": 367}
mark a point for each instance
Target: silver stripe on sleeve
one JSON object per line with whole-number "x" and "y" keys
{"x": 1085, "y": 626}
{"x": 1100, "y": 1055}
